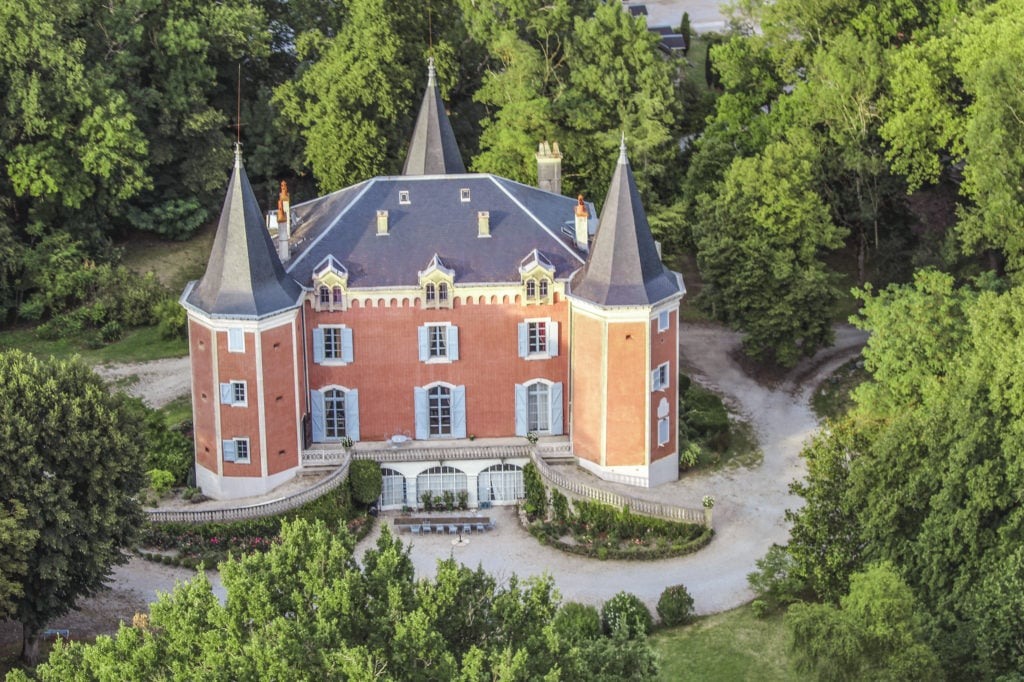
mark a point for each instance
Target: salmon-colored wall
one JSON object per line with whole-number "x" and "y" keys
{"x": 664, "y": 347}
{"x": 587, "y": 398}
{"x": 204, "y": 396}
{"x": 279, "y": 396}
{"x": 386, "y": 366}
{"x": 627, "y": 394}
{"x": 239, "y": 422}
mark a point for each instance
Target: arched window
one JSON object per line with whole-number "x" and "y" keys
{"x": 439, "y": 479}
{"x": 334, "y": 413}
{"x": 337, "y": 295}
{"x": 392, "y": 493}
{"x": 431, "y": 293}
{"x": 538, "y": 407}
{"x": 500, "y": 483}
{"x": 531, "y": 288}
{"x": 325, "y": 296}
{"x": 442, "y": 292}
{"x": 543, "y": 288}
{"x": 439, "y": 405}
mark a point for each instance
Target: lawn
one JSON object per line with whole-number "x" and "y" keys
{"x": 137, "y": 345}
{"x": 177, "y": 411}
{"x": 728, "y": 646}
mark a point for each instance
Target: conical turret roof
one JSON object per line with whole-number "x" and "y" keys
{"x": 244, "y": 277}
{"x": 433, "y": 150}
{"x": 624, "y": 267}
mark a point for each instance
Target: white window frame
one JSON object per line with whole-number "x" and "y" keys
{"x": 235, "y": 386}
{"x": 441, "y": 330}
{"x": 403, "y": 197}
{"x": 464, "y": 195}
{"x": 664, "y": 320}
{"x": 336, "y": 345}
{"x": 342, "y": 397}
{"x": 660, "y": 378}
{"x": 236, "y": 340}
{"x": 545, "y": 353}
{"x": 240, "y": 444}
{"x": 665, "y": 423}
{"x": 537, "y": 330}
{"x": 532, "y": 389}
{"x": 440, "y": 420}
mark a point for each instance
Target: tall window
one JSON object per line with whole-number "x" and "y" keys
{"x": 325, "y": 296}
{"x": 442, "y": 292}
{"x": 337, "y": 295}
{"x": 537, "y": 337}
{"x": 431, "y": 293}
{"x": 392, "y": 492}
{"x": 439, "y": 479}
{"x": 543, "y": 288}
{"x": 531, "y": 289}
{"x": 538, "y": 407}
{"x": 332, "y": 343}
{"x": 438, "y": 341}
{"x": 500, "y": 483}
{"x": 334, "y": 413}
{"x": 439, "y": 403}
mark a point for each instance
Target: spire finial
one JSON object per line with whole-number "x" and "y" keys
{"x": 431, "y": 72}
{"x": 622, "y": 149}
{"x": 238, "y": 154}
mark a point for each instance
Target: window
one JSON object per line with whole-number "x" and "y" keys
{"x": 442, "y": 292}
{"x": 500, "y": 483}
{"x": 325, "y": 296}
{"x": 659, "y": 377}
{"x": 334, "y": 414}
{"x": 663, "y": 424}
{"x": 236, "y": 450}
{"x": 538, "y": 339}
{"x": 663, "y": 320}
{"x": 440, "y": 479}
{"x": 332, "y": 344}
{"x": 431, "y": 294}
{"x": 233, "y": 393}
{"x": 464, "y": 195}
{"x": 440, "y": 411}
{"x": 531, "y": 288}
{"x": 392, "y": 491}
{"x": 543, "y": 288}
{"x": 236, "y": 340}
{"x": 403, "y": 196}
{"x": 539, "y": 408}
{"x": 337, "y": 299}
{"x": 438, "y": 343}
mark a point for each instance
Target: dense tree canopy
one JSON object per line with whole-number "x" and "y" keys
{"x": 70, "y": 454}
{"x": 306, "y": 610}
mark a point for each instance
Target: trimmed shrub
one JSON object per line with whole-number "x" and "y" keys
{"x": 625, "y": 615}
{"x": 577, "y": 622}
{"x": 160, "y": 481}
{"x": 535, "y": 503}
{"x": 560, "y": 507}
{"x": 675, "y": 606}
{"x": 365, "y": 481}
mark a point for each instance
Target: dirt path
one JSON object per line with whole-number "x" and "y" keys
{"x": 748, "y": 516}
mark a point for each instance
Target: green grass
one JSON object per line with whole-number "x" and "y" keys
{"x": 137, "y": 345}
{"x": 173, "y": 263}
{"x": 177, "y": 411}
{"x": 728, "y": 646}
{"x": 832, "y": 397}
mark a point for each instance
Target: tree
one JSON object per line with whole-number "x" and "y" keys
{"x": 16, "y": 541}
{"x": 876, "y": 633}
{"x": 365, "y": 480}
{"x": 307, "y": 610}
{"x": 760, "y": 240}
{"x": 684, "y": 30}
{"x": 70, "y": 454}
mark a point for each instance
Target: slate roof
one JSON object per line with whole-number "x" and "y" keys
{"x": 624, "y": 267}
{"x": 434, "y": 221}
{"x": 433, "y": 149}
{"x": 244, "y": 277}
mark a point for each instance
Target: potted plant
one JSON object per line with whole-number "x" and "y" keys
{"x": 532, "y": 438}
{"x": 347, "y": 443}
{"x": 708, "y": 502}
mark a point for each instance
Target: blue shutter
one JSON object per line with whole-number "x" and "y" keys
{"x": 228, "y": 446}
{"x": 318, "y": 345}
{"x": 316, "y": 401}
{"x": 520, "y": 409}
{"x": 422, "y": 414}
{"x": 453, "y": 342}
{"x": 352, "y": 414}
{"x": 424, "y": 343}
{"x": 236, "y": 340}
{"x": 654, "y": 380}
{"x": 226, "y": 394}
{"x": 553, "y": 339}
{"x": 459, "y": 412}
{"x": 346, "y": 347}
{"x": 555, "y": 397}
{"x": 523, "y": 333}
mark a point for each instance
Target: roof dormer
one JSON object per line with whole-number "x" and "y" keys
{"x": 538, "y": 275}
{"x": 330, "y": 285}
{"x": 436, "y": 284}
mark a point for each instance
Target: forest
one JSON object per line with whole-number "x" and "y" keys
{"x": 831, "y": 145}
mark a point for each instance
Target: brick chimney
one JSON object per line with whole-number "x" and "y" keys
{"x": 549, "y": 167}
{"x": 582, "y": 224}
{"x": 284, "y": 222}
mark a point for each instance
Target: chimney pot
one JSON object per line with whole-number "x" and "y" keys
{"x": 483, "y": 222}
{"x": 382, "y": 222}
{"x": 582, "y": 224}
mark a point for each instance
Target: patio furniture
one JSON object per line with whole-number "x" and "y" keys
{"x": 427, "y": 528}
{"x": 415, "y": 530}
{"x": 467, "y": 528}
{"x": 479, "y": 528}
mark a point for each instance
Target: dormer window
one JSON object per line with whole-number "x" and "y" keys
{"x": 331, "y": 281}
{"x": 403, "y": 196}
{"x": 337, "y": 296}
{"x": 431, "y": 293}
{"x": 442, "y": 292}
{"x": 464, "y": 195}
{"x": 325, "y": 296}
{"x": 538, "y": 274}
{"x": 544, "y": 288}
{"x": 437, "y": 282}
{"x": 531, "y": 288}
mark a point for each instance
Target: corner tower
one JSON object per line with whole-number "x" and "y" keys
{"x": 625, "y": 346}
{"x": 244, "y": 344}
